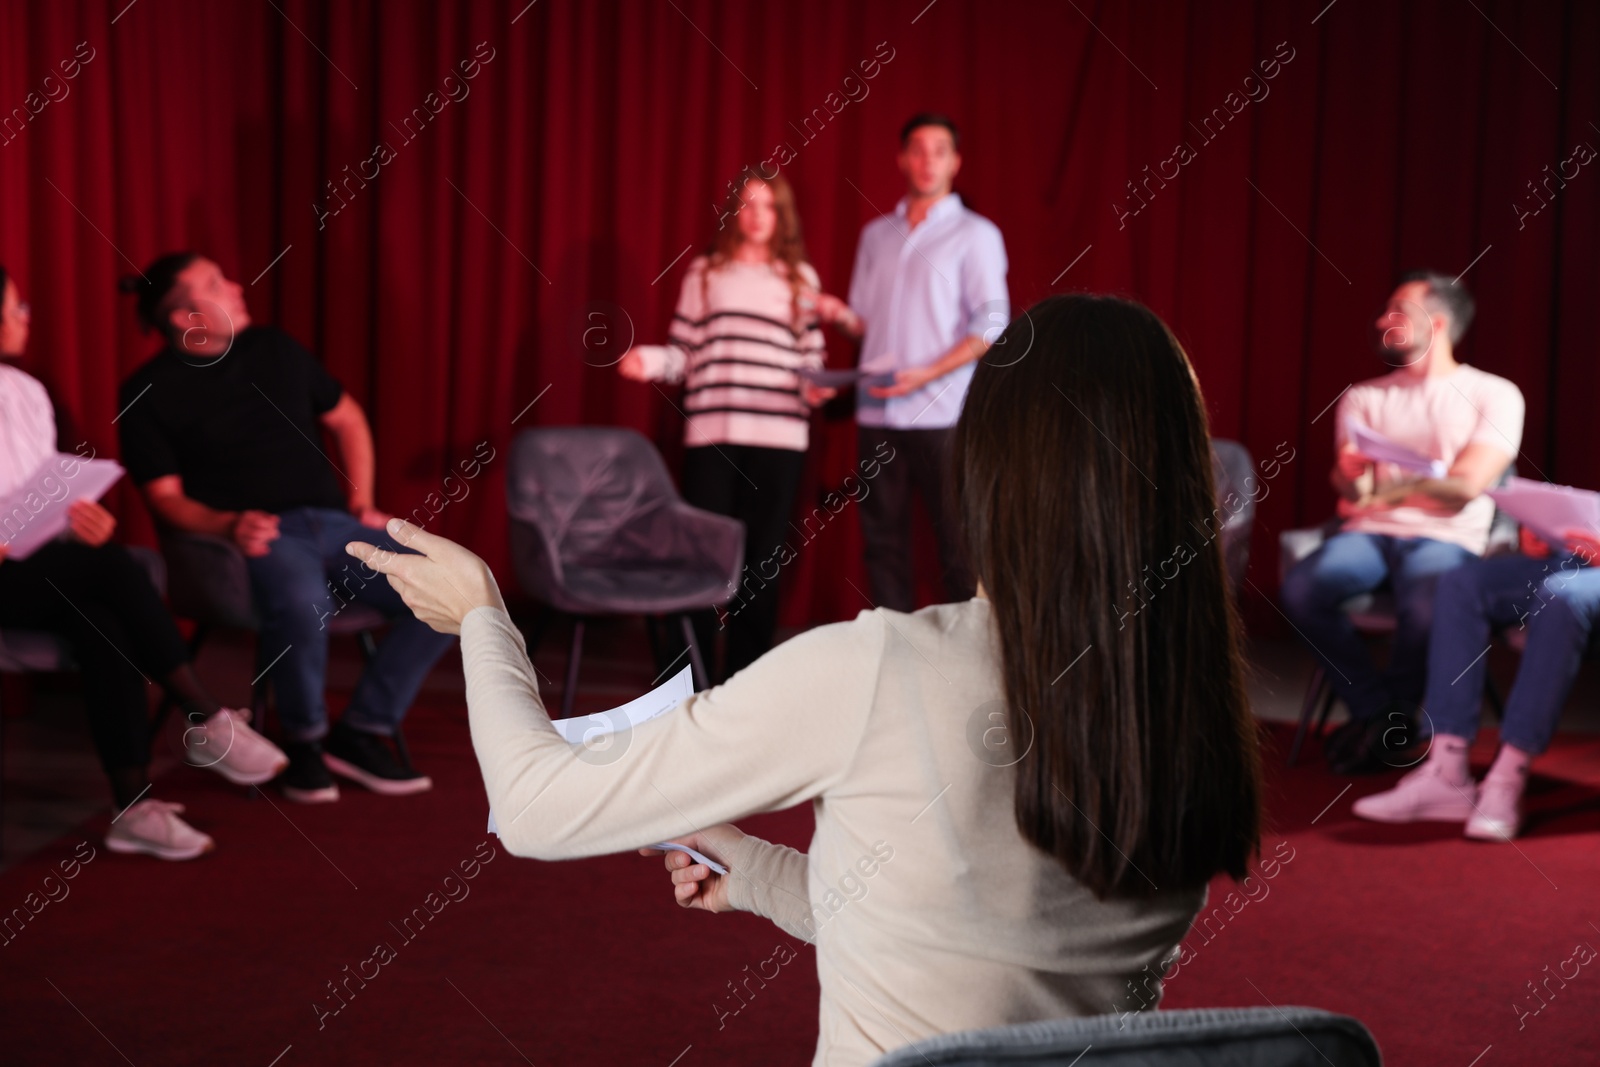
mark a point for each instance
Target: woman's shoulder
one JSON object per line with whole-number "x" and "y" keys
{"x": 697, "y": 269}
{"x": 868, "y": 633}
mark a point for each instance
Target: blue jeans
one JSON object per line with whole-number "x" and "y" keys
{"x": 1557, "y": 601}
{"x": 1347, "y": 565}
{"x": 294, "y": 592}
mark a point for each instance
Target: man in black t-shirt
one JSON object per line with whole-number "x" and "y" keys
{"x": 221, "y": 431}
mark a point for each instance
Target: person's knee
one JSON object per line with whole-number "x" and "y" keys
{"x": 1457, "y": 592}
{"x": 1307, "y": 592}
{"x": 295, "y": 595}
{"x": 1568, "y": 602}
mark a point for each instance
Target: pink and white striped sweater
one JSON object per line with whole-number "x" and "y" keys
{"x": 735, "y": 345}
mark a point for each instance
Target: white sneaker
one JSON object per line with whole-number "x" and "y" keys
{"x": 152, "y": 826}
{"x": 1499, "y": 814}
{"x": 1424, "y": 794}
{"x": 225, "y": 743}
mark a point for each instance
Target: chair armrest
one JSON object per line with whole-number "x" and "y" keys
{"x": 208, "y": 580}
{"x": 717, "y": 541}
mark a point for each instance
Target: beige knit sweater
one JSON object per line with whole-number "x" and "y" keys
{"x": 928, "y": 909}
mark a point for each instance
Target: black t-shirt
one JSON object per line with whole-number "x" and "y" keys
{"x": 241, "y": 431}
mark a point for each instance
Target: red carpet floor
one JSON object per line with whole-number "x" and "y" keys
{"x": 1427, "y": 938}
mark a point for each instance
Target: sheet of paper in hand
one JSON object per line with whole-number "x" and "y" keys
{"x": 1549, "y": 510}
{"x": 590, "y": 730}
{"x": 835, "y": 379}
{"x": 1376, "y": 446}
{"x": 36, "y": 511}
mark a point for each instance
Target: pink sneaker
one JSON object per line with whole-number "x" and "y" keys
{"x": 1499, "y": 814}
{"x": 1424, "y": 794}
{"x": 225, "y": 743}
{"x": 152, "y": 826}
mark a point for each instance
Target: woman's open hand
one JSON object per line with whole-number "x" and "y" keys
{"x": 90, "y": 523}
{"x": 694, "y": 884}
{"x": 631, "y": 366}
{"x": 441, "y": 585}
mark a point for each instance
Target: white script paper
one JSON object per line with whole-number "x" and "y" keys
{"x": 588, "y": 729}
{"x": 1548, "y": 510}
{"x": 1376, "y": 446}
{"x": 35, "y": 512}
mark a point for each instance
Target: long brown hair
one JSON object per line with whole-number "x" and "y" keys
{"x": 787, "y": 244}
{"x": 1083, "y": 478}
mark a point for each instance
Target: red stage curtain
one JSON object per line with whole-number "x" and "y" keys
{"x": 455, "y": 286}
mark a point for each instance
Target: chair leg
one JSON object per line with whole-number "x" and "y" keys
{"x": 696, "y": 664}
{"x": 260, "y": 692}
{"x": 535, "y": 633}
{"x": 652, "y": 625}
{"x": 1327, "y": 706}
{"x": 1308, "y": 710}
{"x": 569, "y": 696}
{"x": 369, "y": 645}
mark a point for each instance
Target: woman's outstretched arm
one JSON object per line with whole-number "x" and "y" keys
{"x": 778, "y": 733}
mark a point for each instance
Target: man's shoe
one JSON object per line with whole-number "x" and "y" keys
{"x": 152, "y": 827}
{"x": 306, "y": 781}
{"x": 1380, "y": 745}
{"x": 1423, "y": 795}
{"x": 1339, "y": 742}
{"x": 1499, "y": 814}
{"x": 225, "y": 743}
{"x": 367, "y": 759}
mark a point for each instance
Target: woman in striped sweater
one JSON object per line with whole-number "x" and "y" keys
{"x": 748, "y": 320}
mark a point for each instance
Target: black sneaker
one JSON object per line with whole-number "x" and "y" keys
{"x": 1339, "y": 743}
{"x": 367, "y": 758}
{"x": 306, "y": 780}
{"x": 1380, "y": 744}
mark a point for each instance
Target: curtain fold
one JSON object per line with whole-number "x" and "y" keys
{"x": 469, "y": 209}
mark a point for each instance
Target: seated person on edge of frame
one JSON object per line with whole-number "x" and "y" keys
{"x": 1005, "y": 901}
{"x": 1401, "y": 527}
{"x": 219, "y": 431}
{"x": 88, "y": 589}
{"x": 1555, "y": 599}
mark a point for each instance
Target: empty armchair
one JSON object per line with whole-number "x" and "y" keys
{"x": 598, "y": 528}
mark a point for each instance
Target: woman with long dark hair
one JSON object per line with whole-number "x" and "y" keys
{"x": 747, "y": 323}
{"x": 1020, "y": 798}
{"x": 87, "y": 588}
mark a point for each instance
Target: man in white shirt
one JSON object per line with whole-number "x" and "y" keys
{"x": 927, "y": 295}
{"x": 1403, "y": 528}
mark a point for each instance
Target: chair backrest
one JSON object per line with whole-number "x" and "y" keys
{"x": 207, "y": 579}
{"x": 581, "y": 486}
{"x": 1234, "y": 472}
{"x": 1203, "y": 1037}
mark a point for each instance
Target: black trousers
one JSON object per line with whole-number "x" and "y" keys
{"x": 756, "y": 486}
{"x": 102, "y": 602}
{"x": 920, "y": 462}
